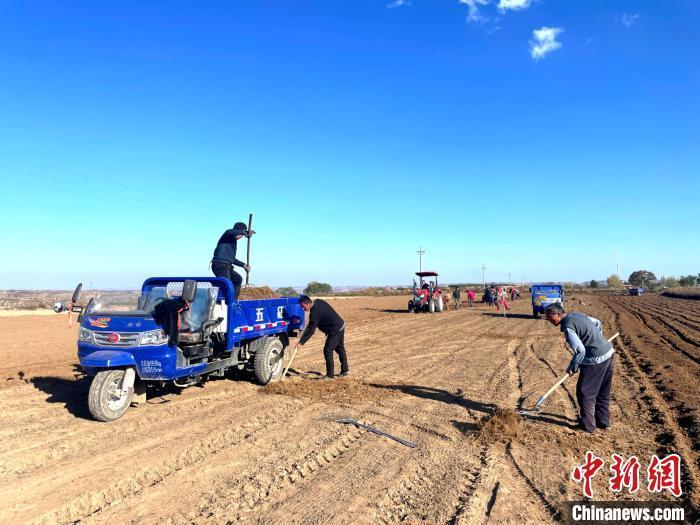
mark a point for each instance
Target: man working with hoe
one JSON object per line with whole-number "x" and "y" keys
{"x": 330, "y": 323}
{"x": 593, "y": 358}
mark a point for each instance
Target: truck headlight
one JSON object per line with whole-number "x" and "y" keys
{"x": 154, "y": 337}
{"x": 85, "y": 335}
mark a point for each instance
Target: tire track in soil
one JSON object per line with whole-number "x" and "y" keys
{"x": 66, "y": 443}
{"x": 89, "y": 504}
{"x": 684, "y": 417}
{"x": 656, "y": 309}
{"x": 671, "y": 437}
{"x": 248, "y": 491}
{"x": 645, "y": 318}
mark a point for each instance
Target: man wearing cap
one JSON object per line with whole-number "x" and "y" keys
{"x": 593, "y": 358}
{"x": 225, "y": 256}
{"x": 325, "y": 318}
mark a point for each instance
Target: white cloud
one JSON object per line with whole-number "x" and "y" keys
{"x": 473, "y": 6}
{"x": 629, "y": 18}
{"x": 515, "y": 5}
{"x": 398, "y": 3}
{"x": 544, "y": 41}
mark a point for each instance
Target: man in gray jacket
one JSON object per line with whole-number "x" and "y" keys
{"x": 593, "y": 358}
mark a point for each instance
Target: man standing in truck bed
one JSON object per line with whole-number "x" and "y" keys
{"x": 330, "y": 323}
{"x": 225, "y": 256}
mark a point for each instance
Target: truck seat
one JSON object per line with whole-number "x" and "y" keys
{"x": 200, "y": 311}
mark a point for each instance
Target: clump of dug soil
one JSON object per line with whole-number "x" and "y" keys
{"x": 342, "y": 391}
{"x": 502, "y": 426}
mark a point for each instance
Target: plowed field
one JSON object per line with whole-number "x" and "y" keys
{"x": 234, "y": 451}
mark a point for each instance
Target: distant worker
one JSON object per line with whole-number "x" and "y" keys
{"x": 502, "y": 299}
{"x": 593, "y": 357}
{"x": 225, "y": 256}
{"x": 326, "y": 319}
{"x": 471, "y": 295}
{"x": 457, "y": 296}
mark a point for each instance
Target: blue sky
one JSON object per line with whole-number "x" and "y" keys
{"x": 538, "y": 139}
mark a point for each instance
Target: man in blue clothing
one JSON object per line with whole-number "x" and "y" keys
{"x": 225, "y": 256}
{"x": 593, "y": 358}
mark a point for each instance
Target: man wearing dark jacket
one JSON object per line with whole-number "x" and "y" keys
{"x": 326, "y": 319}
{"x": 593, "y": 357}
{"x": 225, "y": 256}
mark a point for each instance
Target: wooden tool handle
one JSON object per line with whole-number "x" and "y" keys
{"x": 289, "y": 364}
{"x": 247, "y": 258}
{"x": 564, "y": 378}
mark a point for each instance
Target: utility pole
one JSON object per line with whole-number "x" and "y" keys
{"x": 483, "y": 278}
{"x": 420, "y": 253}
{"x": 508, "y": 277}
{"x": 617, "y": 265}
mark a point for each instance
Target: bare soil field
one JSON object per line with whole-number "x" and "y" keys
{"x": 234, "y": 451}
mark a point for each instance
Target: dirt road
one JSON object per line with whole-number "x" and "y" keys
{"x": 233, "y": 451}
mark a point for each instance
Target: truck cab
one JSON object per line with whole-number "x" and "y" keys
{"x": 543, "y": 295}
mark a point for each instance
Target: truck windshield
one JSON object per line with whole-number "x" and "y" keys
{"x": 114, "y": 302}
{"x": 545, "y": 290}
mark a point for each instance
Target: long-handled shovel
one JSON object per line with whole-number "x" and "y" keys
{"x": 284, "y": 374}
{"x": 538, "y": 406}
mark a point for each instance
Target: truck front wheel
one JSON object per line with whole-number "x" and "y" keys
{"x": 269, "y": 361}
{"x": 106, "y": 400}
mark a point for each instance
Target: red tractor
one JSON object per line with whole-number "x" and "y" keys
{"x": 427, "y": 296}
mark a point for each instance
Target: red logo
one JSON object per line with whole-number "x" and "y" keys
{"x": 665, "y": 474}
{"x": 113, "y": 338}
{"x": 586, "y": 472}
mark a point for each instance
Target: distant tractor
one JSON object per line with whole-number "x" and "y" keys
{"x": 543, "y": 295}
{"x": 427, "y": 296}
{"x": 636, "y": 290}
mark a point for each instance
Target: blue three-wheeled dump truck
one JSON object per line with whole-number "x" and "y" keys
{"x": 182, "y": 331}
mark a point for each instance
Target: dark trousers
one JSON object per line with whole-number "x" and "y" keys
{"x": 593, "y": 394}
{"x": 226, "y": 270}
{"x": 335, "y": 343}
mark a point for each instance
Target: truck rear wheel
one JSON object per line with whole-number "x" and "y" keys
{"x": 269, "y": 361}
{"x": 431, "y": 306}
{"x": 440, "y": 306}
{"x": 106, "y": 400}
